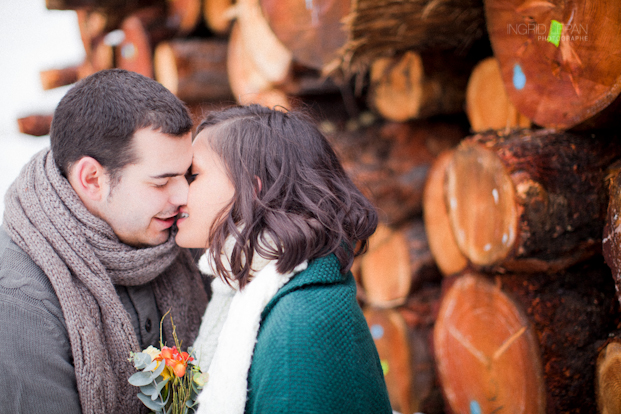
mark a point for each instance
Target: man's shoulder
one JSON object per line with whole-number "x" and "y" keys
{"x": 22, "y": 281}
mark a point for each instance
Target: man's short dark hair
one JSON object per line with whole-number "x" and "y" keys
{"x": 100, "y": 114}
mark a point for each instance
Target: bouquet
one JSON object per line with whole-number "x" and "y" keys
{"x": 169, "y": 380}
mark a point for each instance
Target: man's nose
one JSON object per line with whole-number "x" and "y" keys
{"x": 179, "y": 191}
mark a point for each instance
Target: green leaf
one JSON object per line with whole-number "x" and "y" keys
{"x": 140, "y": 379}
{"x": 152, "y": 405}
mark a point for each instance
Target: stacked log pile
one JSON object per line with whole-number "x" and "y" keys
{"x": 483, "y": 132}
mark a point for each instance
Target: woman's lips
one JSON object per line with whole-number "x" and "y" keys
{"x": 182, "y": 216}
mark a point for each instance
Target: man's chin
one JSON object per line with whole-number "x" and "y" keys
{"x": 147, "y": 240}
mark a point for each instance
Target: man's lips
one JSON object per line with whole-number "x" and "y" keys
{"x": 166, "y": 221}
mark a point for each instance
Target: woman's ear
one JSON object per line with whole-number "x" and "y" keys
{"x": 258, "y": 185}
{"x": 89, "y": 180}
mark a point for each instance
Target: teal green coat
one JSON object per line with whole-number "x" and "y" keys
{"x": 314, "y": 351}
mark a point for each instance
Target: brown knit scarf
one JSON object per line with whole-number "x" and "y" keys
{"x": 84, "y": 259}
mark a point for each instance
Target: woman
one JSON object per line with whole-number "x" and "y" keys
{"x": 282, "y": 222}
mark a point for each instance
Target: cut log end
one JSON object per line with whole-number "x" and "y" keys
{"x": 397, "y": 90}
{"x": 36, "y": 125}
{"x": 448, "y": 257}
{"x": 486, "y": 352}
{"x": 165, "y": 67}
{"x": 608, "y": 379}
{"x": 487, "y": 103}
{"x": 481, "y": 204}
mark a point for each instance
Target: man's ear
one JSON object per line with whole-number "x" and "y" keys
{"x": 89, "y": 179}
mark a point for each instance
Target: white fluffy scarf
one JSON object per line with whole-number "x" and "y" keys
{"x": 225, "y": 392}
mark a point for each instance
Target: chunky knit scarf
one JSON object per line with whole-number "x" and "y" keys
{"x": 84, "y": 259}
{"x": 226, "y": 390}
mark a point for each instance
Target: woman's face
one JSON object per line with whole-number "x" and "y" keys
{"x": 210, "y": 191}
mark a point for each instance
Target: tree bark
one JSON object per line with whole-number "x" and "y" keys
{"x": 487, "y": 103}
{"x": 194, "y": 69}
{"x": 558, "y": 59}
{"x": 611, "y": 243}
{"x": 386, "y": 28}
{"x": 389, "y": 161}
{"x": 442, "y": 244}
{"x": 312, "y": 32}
{"x": 36, "y": 125}
{"x": 530, "y": 201}
{"x": 396, "y": 266}
{"x": 527, "y": 344}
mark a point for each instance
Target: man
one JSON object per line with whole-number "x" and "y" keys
{"x": 88, "y": 264}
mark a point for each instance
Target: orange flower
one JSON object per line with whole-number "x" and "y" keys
{"x": 177, "y": 361}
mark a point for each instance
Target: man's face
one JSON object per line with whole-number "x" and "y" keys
{"x": 142, "y": 206}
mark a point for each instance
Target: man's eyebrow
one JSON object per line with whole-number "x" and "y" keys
{"x": 166, "y": 175}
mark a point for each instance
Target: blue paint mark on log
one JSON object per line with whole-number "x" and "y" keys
{"x": 475, "y": 408}
{"x": 377, "y": 331}
{"x": 519, "y": 79}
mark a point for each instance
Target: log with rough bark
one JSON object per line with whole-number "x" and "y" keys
{"x": 529, "y": 201}
{"x": 487, "y": 103}
{"x": 218, "y": 15}
{"x": 608, "y": 378}
{"x": 55, "y": 78}
{"x": 247, "y": 82}
{"x": 389, "y": 161}
{"x": 442, "y": 244}
{"x": 417, "y": 86}
{"x": 611, "y": 243}
{"x": 386, "y": 28}
{"x": 193, "y": 69}
{"x": 524, "y": 344}
{"x": 313, "y": 32}
{"x": 37, "y": 125}
{"x": 407, "y": 361}
{"x": 398, "y": 265}
{"x": 559, "y": 59}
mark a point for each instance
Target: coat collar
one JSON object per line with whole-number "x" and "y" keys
{"x": 322, "y": 271}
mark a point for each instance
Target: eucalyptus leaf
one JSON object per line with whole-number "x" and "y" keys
{"x": 162, "y": 384}
{"x": 151, "y": 366}
{"x": 141, "y": 360}
{"x": 158, "y": 371}
{"x": 152, "y": 405}
{"x": 149, "y": 390}
{"x": 140, "y": 379}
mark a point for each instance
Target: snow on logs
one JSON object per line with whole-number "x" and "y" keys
{"x": 512, "y": 201}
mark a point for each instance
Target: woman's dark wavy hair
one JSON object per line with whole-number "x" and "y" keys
{"x": 290, "y": 187}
